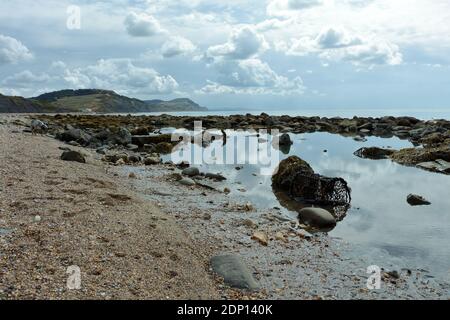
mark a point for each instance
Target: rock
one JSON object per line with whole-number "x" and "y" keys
{"x": 285, "y": 140}
{"x": 249, "y": 224}
{"x": 360, "y": 139}
{"x": 120, "y": 162}
{"x": 77, "y": 135}
{"x": 248, "y": 207}
{"x": 414, "y": 156}
{"x": 374, "y": 153}
{"x": 317, "y": 218}
{"x": 38, "y": 126}
{"x": 261, "y": 237}
{"x": 286, "y": 169}
{"x": 214, "y": 176}
{"x": 132, "y": 175}
{"x": 280, "y": 237}
{"x": 416, "y": 200}
{"x": 115, "y": 157}
{"x": 149, "y": 161}
{"x": 187, "y": 182}
{"x": 102, "y": 150}
{"x": 140, "y": 131}
{"x": 439, "y": 165}
{"x": 74, "y": 156}
{"x": 164, "y": 148}
{"x": 153, "y": 139}
{"x": 133, "y": 158}
{"x": 122, "y": 137}
{"x": 234, "y": 272}
{"x": 191, "y": 172}
{"x": 132, "y": 147}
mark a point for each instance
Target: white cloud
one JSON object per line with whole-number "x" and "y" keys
{"x": 243, "y": 43}
{"x": 26, "y": 78}
{"x": 339, "y": 44}
{"x": 13, "y": 51}
{"x": 251, "y": 76}
{"x": 369, "y": 54}
{"x": 121, "y": 75}
{"x": 142, "y": 25}
{"x": 176, "y": 46}
{"x": 333, "y": 38}
{"x": 285, "y": 7}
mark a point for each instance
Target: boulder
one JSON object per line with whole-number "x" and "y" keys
{"x": 286, "y": 169}
{"x": 163, "y": 148}
{"x": 191, "y": 172}
{"x": 74, "y": 156}
{"x": 122, "y": 137}
{"x": 317, "y": 218}
{"x": 285, "y": 140}
{"x": 77, "y": 135}
{"x": 143, "y": 140}
{"x": 234, "y": 272}
{"x": 416, "y": 200}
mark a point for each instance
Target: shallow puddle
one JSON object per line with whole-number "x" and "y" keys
{"x": 380, "y": 224}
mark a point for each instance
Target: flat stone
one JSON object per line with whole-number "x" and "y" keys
{"x": 234, "y": 272}
{"x": 436, "y": 166}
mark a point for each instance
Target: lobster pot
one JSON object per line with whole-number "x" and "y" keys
{"x": 315, "y": 189}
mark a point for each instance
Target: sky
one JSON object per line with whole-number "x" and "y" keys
{"x": 234, "y": 54}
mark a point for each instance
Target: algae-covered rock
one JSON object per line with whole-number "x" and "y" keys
{"x": 286, "y": 169}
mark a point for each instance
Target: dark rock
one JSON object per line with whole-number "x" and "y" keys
{"x": 234, "y": 272}
{"x": 191, "y": 172}
{"x": 149, "y": 161}
{"x": 122, "y": 137}
{"x": 286, "y": 169}
{"x": 285, "y": 140}
{"x": 143, "y": 140}
{"x": 164, "y": 148}
{"x": 416, "y": 200}
{"x": 74, "y": 156}
{"x": 374, "y": 153}
{"x": 215, "y": 176}
{"x": 77, "y": 135}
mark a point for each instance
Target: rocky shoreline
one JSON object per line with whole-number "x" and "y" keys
{"x": 275, "y": 257}
{"x": 430, "y": 138}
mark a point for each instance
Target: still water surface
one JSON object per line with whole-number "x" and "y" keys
{"x": 380, "y": 225}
